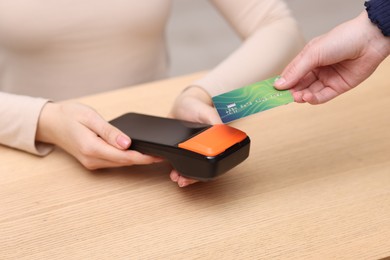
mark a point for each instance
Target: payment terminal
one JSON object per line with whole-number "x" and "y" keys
{"x": 197, "y": 151}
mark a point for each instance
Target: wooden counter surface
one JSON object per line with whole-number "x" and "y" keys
{"x": 315, "y": 186}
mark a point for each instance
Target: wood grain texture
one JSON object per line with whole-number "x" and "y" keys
{"x": 316, "y": 186}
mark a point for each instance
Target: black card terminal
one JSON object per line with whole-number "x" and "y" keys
{"x": 197, "y": 151}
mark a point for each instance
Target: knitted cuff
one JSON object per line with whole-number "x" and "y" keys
{"x": 379, "y": 14}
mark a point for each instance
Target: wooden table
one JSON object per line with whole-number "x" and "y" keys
{"x": 315, "y": 186}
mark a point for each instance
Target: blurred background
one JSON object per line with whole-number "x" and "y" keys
{"x": 199, "y": 38}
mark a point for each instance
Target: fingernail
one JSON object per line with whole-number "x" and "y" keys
{"x": 280, "y": 82}
{"x": 181, "y": 184}
{"x": 123, "y": 141}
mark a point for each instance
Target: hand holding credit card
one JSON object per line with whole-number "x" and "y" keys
{"x": 250, "y": 99}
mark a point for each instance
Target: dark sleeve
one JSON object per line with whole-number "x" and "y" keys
{"x": 379, "y": 13}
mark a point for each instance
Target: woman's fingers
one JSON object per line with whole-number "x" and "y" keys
{"x": 106, "y": 131}
{"x": 180, "y": 180}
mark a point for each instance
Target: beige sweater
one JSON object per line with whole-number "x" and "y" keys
{"x": 64, "y": 49}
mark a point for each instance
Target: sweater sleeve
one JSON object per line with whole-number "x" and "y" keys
{"x": 379, "y": 13}
{"x": 271, "y": 38}
{"x": 19, "y": 121}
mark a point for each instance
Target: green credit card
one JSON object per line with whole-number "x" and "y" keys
{"x": 250, "y": 99}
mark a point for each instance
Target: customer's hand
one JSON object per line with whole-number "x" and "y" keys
{"x": 193, "y": 104}
{"x": 335, "y": 62}
{"x": 83, "y": 133}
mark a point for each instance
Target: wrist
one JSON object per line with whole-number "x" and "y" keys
{"x": 46, "y": 118}
{"x": 198, "y": 92}
{"x": 377, "y": 39}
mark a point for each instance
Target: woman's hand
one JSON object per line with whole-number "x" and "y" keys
{"x": 83, "y": 133}
{"x": 193, "y": 104}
